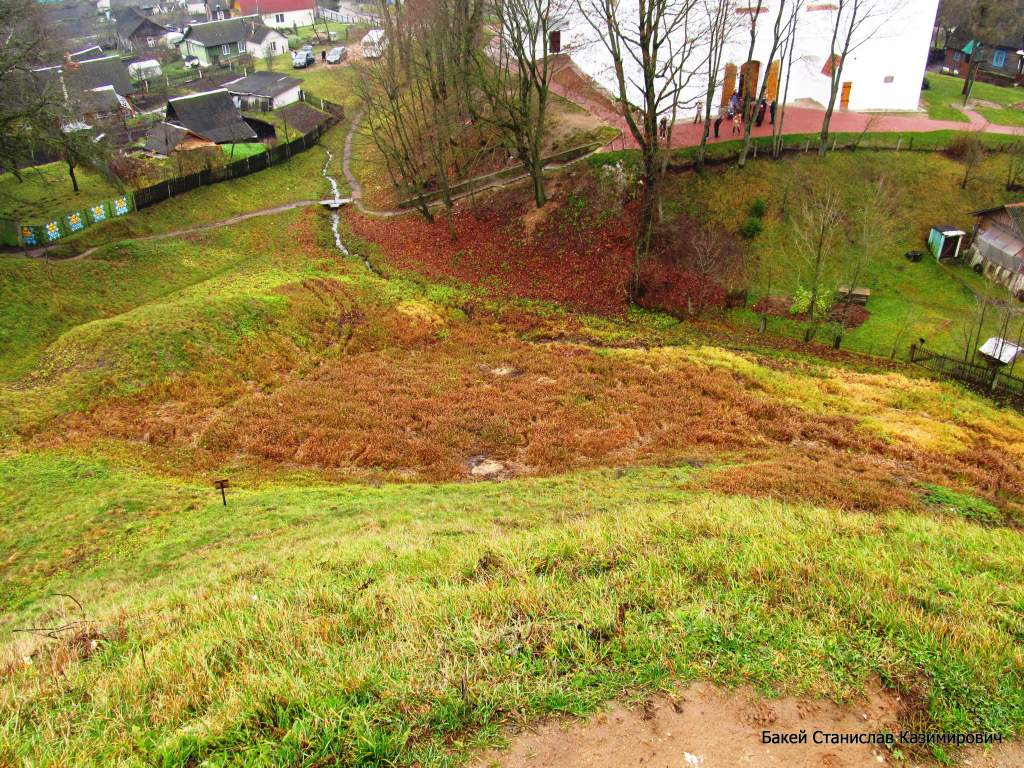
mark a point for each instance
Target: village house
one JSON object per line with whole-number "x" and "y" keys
{"x": 96, "y": 89}
{"x": 264, "y": 91}
{"x": 280, "y": 14}
{"x": 882, "y": 72}
{"x": 998, "y": 246}
{"x": 1002, "y": 63}
{"x": 262, "y": 41}
{"x": 209, "y": 117}
{"x": 214, "y": 42}
{"x": 136, "y": 31}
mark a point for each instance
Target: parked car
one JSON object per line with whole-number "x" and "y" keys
{"x": 337, "y": 55}
{"x": 302, "y": 59}
{"x": 190, "y": 62}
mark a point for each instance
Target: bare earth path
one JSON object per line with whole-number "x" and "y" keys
{"x": 706, "y": 727}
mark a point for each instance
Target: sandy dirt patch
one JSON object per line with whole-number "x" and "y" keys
{"x": 706, "y": 727}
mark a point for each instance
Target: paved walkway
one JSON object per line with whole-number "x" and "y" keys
{"x": 804, "y": 120}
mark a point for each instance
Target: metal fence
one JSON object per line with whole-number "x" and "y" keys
{"x": 343, "y": 17}
{"x": 989, "y": 379}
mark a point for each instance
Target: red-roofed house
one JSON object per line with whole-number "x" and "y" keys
{"x": 279, "y": 13}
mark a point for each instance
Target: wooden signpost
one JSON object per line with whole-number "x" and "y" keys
{"x": 221, "y": 485}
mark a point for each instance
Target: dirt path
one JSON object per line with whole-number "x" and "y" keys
{"x": 707, "y": 727}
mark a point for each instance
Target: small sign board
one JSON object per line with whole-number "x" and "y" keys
{"x": 221, "y": 485}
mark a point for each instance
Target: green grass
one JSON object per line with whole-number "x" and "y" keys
{"x": 242, "y": 151}
{"x": 909, "y": 300}
{"x": 334, "y": 82}
{"x": 408, "y": 624}
{"x": 962, "y": 504}
{"x": 944, "y": 92}
{"x": 45, "y": 191}
{"x": 297, "y": 179}
{"x": 1006, "y": 116}
{"x": 405, "y": 625}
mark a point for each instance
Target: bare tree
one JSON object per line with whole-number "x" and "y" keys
{"x": 516, "y": 77}
{"x": 816, "y": 230}
{"x": 720, "y": 25}
{"x": 28, "y": 97}
{"x": 973, "y": 154}
{"x": 873, "y": 224}
{"x": 1015, "y": 166}
{"x": 750, "y": 106}
{"x": 651, "y": 44}
{"x": 418, "y": 100}
{"x": 854, "y": 22}
{"x": 788, "y": 47}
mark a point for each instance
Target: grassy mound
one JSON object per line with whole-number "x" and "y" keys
{"x": 679, "y": 501}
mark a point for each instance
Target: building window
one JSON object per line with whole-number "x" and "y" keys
{"x": 279, "y": 18}
{"x": 226, "y": 49}
{"x": 998, "y": 57}
{"x": 150, "y": 42}
{"x": 273, "y": 47}
{"x": 956, "y": 56}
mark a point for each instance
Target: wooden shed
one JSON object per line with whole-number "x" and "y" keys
{"x": 945, "y": 241}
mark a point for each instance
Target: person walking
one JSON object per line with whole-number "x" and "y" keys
{"x": 718, "y": 123}
{"x": 663, "y": 128}
{"x": 771, "y": 110}
{"x": 761, "y": 109}
{"x": 737, "y": 123}
{"x": 699, "y": 117}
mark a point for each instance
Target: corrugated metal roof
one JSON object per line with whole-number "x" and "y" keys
{"x": 1000, "y": 349}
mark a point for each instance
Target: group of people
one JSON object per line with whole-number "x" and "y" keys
{"x": 734, "y": 113}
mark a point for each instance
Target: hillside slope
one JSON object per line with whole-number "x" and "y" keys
{"x": 666, "y": 505}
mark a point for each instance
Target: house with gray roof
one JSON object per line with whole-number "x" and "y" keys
{"x": 264, "y": 91}
{"x": 213, "y": 42}
{"x": 212, "y": 116}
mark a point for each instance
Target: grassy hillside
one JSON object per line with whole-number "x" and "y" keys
{"x": 909, "y": 300}
{"x": 404, "y": 624}
{"x": 671, "y": 500}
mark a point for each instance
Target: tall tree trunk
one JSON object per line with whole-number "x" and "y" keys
{"x": 71, "y": 173}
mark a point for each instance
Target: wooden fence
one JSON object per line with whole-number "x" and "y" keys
{"x": 279, "y": 153}
{"x": 30, "y": 234}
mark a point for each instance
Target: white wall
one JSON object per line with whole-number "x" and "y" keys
{"x": 302, "y": 18}
{"x": 288, "y": 97}
{"x": 260, "y": 50}
{"x": 897, "y": 47}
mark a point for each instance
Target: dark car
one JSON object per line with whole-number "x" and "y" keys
{"x": 337, "y": 54}
{"x": 302, "y": 59}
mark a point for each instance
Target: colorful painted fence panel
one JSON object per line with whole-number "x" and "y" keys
{"x": 32, "y": 235}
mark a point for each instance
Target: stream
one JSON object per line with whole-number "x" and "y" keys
{"x": 335, "y": 216}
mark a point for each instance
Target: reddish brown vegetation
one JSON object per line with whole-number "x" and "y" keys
{"x": 778, "y": 306}
{"x": 583, "y": 264}
{"x": 666, "y": 287}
